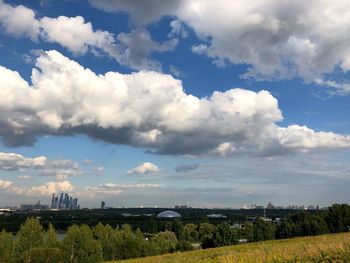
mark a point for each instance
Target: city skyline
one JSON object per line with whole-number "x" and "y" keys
{"x": 160, "y": 103}
{"x": 62, "y": 201}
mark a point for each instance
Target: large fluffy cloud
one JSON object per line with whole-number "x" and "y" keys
{"x": 74, "y": 33}
{"x": 77, "y": 35}
{"x": 18, "y": 21}
{"x": 276, "y": 39}
{"x": 145, "y": 109}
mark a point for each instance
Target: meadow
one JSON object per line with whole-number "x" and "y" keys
{"x": 324, "y": 248}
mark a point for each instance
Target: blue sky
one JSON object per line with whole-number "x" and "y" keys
{"x": 158, "y": 103}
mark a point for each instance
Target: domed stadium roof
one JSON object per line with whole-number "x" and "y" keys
{"x": 168, "y": 214}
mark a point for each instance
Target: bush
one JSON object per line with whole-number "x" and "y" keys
{"x": 183, "y": 246}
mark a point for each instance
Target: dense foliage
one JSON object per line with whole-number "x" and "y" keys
{"x": 135, "y": 217}
{"x": 83, "y": 243}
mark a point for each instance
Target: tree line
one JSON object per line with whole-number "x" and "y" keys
{"x": 82, "y": 243}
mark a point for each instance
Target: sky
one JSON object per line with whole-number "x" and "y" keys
{"x": 163, "y": 103}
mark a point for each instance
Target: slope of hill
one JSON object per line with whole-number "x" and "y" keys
{"x": 325, "y": 248}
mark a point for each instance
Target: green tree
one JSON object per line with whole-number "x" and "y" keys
{"x": 166, "y": 241}
{"x": 204, "y": 219}
{"x": 168, "y": 226}
{"x": 191, "y": 233}
{"x": 151, "y": 226}
{"x": 263, "y": 230}
{"x": 178, "y": 229}
{"x": 6, "y": 247}
{"x": 30, "y": 236}
{"x": 118, "y": 251}
{"x": 206, "y": 233}
{"x": 224, "y": 235}
{"x": 150, "y": 248}
{"x": 338, "y": 218}
{"x": 183, "y": 245}
{"x": 286, "y": 229}
{"x": 45, "y": 255}
{"x": 206, "y": 230}
{"x": 302, "y": 224}
{"x": 51, "y": 238}
{"x": 79, "y": 245}
{"x": 247, "y": 231}
{"x": 130, "y": 243}
{"x": 105, "y": 235}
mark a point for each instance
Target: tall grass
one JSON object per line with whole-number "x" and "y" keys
{"x": 325, "y": 248}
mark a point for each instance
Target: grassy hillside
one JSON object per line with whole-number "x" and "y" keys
{"x": 326, "y": 248}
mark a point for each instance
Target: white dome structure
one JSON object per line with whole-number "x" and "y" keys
{"x": 168, "y": 214}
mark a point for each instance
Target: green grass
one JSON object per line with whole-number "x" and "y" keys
{"x": 325, "y": 248}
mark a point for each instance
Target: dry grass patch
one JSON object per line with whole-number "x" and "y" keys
{"x": 325, "y": 248}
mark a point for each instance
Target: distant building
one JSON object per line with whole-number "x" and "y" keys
{"x": 255, "y": 206}
{"x": 216, "y": 216}
{"x": 182, "y": 206}
{"x": 31, "y": 207}
{"x": 64, "y": 202}
{"x": 311, "y": 207}
{"x": 266, "y": 219}
{"x": 244, "y": 207}
{"x": 168, "y": 214}
{"x": 60, "y": 202}
{"x": 236, "y": 226}
{"x": 270, "y": 206}
{"x": 53, "y": 200}
{"x": 103, "y": 204}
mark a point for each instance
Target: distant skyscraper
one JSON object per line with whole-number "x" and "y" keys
{"x": 56, "y": 202}
{"x": 53, "y": 201}
{"x": 64, "y": 201}
{"x": 70, "y": 203}
{"x": 60, "y": 203}
{"x": 75, "y": 204}
{"x": 103, "y": 204}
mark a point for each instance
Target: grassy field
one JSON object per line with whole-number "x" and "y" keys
{"x": 326, "y": 248}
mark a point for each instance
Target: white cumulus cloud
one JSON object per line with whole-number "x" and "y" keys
{"x": 74, "y": 33}
{"x": 13, "y": 161}
{"x": 19, "y": 21}
{"x": 61, "y": 168}
{"x": 78, "y": 36}
{"x": 5, "y": 184}
{"x": 145, "y": 109}
{"x": 145, "y": 168}
{"x": 41, "y": 190}
{"x": 276, "y": 39}
{"x": 44, "y": 190}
